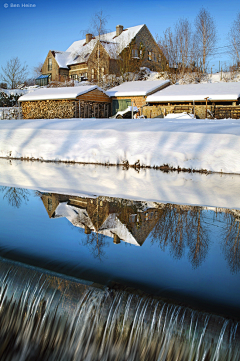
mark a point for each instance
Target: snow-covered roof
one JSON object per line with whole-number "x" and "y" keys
{"x": 80, "y": 51}
{"x": 62, "y": 58}
{"x": 137, "y": 88}
{"x": 197, "y": 92}
{"x": 58, "y": 93}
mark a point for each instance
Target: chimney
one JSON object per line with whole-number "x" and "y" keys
{"x": 116, "y": 239}
{"x": 119, "y": 30}
{"x": 88, "y": 38}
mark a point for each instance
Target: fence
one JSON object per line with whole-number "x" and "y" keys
{"x": 10, "y": 113}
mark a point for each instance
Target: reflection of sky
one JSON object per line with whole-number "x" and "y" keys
{"x": 28, "y": 234}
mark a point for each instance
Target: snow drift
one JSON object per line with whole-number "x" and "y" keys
{"x": 213, "y": 145}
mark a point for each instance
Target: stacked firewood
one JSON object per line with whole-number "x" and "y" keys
{"x": 93, "y": 110}
{"x": 48, "y": 109}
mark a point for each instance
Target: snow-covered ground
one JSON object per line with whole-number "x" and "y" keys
{"x": 213, "y": 145}
{"x": 213, "y": 190}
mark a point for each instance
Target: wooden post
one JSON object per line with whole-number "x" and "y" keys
{"x": 79, "y": 109}
{"x": 132, "y": 109}
{"x": 194, "y": 113}
{"x": 104, "y": 110}
{"x": 206, "y": 106}
{"x": 94, "y": 110}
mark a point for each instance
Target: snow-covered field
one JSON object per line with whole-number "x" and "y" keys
{"x": 213, "y": 145}
{"x": 213, "y": 190}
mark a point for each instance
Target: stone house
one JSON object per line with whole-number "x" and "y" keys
{"x": 205, "y": 100}
{"x": 111, "y": 53}
{"x": 134, "y": 92}
{"x": 86, "y": 101}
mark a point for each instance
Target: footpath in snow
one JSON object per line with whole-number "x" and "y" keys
{"x": 212, "y": 145}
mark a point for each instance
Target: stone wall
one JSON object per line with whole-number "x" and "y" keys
{"x": 138, "y": 101}
{"x": 78, "y": 69}
{"x": 93, "y": 62}
{"x": 55, "y": 68}
{"x": 145, "y": 38}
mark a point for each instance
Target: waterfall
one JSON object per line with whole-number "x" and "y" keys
{"x": 47, "y": 317}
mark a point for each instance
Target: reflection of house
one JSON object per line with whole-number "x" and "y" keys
{"x": 129, "y": 221}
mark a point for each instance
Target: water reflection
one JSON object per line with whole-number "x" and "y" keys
{"x": 15, "y": 196}
{"x": 178, "y": 228}
{"x": 121, "y": 219}
{"x": 231, "y": 240}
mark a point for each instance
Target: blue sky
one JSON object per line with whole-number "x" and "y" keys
{"x": 30, "y": 33}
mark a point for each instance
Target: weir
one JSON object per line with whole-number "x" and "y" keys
{"x": 45, "y": 316}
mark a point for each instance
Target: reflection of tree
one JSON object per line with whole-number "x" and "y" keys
{"x": 231, "y": 243}
{"x": 15, "y": 196}
{"x": 198, "y": 241}
{"x": 169, "y": 230}
{"x": 179, "y": 227}
{"x": 96, "y": 243}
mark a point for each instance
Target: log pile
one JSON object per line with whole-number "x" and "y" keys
{"x": 51, "y": 109}
{"x": 92, "y": 109}
{"x": 232, "y": 112}
{"x": 48, "y": 109}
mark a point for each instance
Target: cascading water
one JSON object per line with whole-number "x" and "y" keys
{"x": 46, "y": 317}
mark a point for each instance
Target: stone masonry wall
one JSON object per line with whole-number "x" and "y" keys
{"x": 55, "y": 68}
{"x": 137, "y": 100}
{"x": 145, "y": 37}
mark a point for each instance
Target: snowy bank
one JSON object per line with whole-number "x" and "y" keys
{"x": 213, "y": 190}
{"x": 213, "y": 145}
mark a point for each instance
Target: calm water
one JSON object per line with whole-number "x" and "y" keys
{"x": 187, "y": 255}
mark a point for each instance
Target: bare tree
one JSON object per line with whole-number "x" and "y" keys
{"x": 205, "y": 36}
{"x": 234, "y": 36}
{"x": 98, "y": 26}
{"x": 14, "y": 72}
{"x": 38, "y": 69}
{"x": 15, "y": 196}
{"x": 178, "y": 48}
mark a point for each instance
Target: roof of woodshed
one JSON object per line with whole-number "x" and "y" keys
{"x": 197, "y": 92}
{"x": 58, "y": 93}
{"x": 137, "y": 88}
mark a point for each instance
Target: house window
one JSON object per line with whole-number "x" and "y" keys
{"x": 146, "y": 216}
{"x": 103, "y": 71}
{"x": 132, "y": 218}
{"x": 93, "y": 75}
{"x": 141, "y": 54}
{"x": 159, "y": 58}
{"x": 49, "y": 64}
{"x": 134, "y": 53}
{"x": 150, "y": 55}
{"x": 49, "y": 204}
